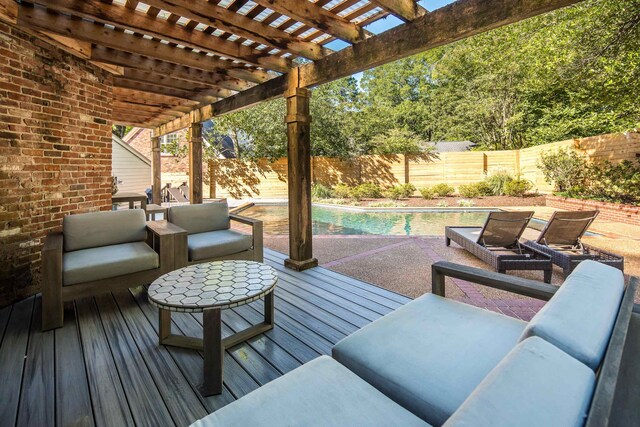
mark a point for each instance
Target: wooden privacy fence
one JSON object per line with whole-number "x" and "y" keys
{"x": 238, "y": 178}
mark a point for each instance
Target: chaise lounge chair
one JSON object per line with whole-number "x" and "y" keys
{"x": 561, "y": 239}
{"x": 177, "y": 195}
{"x": 497, "y": 243}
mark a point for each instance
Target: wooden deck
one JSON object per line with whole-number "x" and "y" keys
{"x": 104, "y": 367}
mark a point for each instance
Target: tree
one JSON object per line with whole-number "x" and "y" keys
{"x": 398, "y": 141}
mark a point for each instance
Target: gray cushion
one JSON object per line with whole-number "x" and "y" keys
{"x": 319, "y": 393}
{"x": 580, "y": 316}
{"x": 86, "y": 265}
{"x": 535, "y": 385}
{"x": 215, "y": 244}
{"x": 430, "y": 354}
{"x": 92, "y": 230}
{"x": 200, "y": 218}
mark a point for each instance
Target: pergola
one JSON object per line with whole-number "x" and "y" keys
{"x": 178, "y": 63}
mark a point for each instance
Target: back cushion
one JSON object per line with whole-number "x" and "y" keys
{"x": 536, "y": 384}
{"x": 200, "y": 218}
{"x": 579, "y": 318}
{"x": 92, "y": 230}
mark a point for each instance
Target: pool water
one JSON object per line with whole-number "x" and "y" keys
{"x": 337, "y": 221}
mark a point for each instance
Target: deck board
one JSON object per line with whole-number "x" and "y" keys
{"x": 104, "y": 367}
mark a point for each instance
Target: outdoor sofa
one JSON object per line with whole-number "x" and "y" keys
{"x": 497, "y": 243}
{"x": 438, "y": 362}
{"x": 561, "y": 239}
{"x": 101, "y": 252}
{"x": 209, "y": 236}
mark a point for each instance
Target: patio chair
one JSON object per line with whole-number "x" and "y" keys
{"x": 101, "y": 252}
{"x": 561, "y": 238}
{"x": 184, "y": 188}
{"x": 497, "y": 243}
{"x": 177, "y": 195}
{"x": 458, "y": 365}
{"x": 209, "y": 237}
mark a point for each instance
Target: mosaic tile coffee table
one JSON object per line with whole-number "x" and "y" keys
{"x": 208, "y": 289}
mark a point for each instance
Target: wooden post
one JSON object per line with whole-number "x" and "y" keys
{"x": 156, "y": 170}
{"x": 195, "y": 163}
{"x": 298, "y": 122}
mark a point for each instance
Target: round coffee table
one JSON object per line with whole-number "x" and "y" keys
{"x": 209, "y": 288}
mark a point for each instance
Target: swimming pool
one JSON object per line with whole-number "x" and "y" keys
{"x": 341, "y": 221}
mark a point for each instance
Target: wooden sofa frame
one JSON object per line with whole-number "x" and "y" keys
{"x": 161, "y": 236}
{"x": 256, "y": 253}
{"x": 617, "y": 390}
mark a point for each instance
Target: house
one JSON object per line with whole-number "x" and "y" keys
{"x": 131, "y": 168}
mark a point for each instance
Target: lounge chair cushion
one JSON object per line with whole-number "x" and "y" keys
{"x": 430, "y": 354}
{"x": 214, "y": 244}
{"x": 470, "y": 233}
{"x": 86, "y": 265}
{"x": 200, "y": 218}
{"x": 580, "y": 316}
{"x": 92, "y": 230}
{"x": 536, "y": 384}
{"x": 319, "y": 393}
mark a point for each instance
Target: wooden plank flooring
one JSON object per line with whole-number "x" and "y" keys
{"x": 105, "y": 368}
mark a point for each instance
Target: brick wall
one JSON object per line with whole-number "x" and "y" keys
{"x": 609, "y": 211}
{"x": 55, "y": 150}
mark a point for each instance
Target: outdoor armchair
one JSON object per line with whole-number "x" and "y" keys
{"x": 210, "y": 237}
{"x": 101, "y": 252}
{"x": 497, "y": 243}
{"x": 561, "y": 239}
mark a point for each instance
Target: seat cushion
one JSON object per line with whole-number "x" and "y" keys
{"x": 91, "y": 264}
{"x": 319, "y": 393}
{"x": 214, "y": 244}
{"x": 200, "y": 218}
{"x": 92, "y": 230}
{"x": 430, "y": 354}
{"x": 536, "y": 384}
{"x": 580, "y": 316}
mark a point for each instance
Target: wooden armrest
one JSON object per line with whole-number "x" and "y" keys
{"x": 53, "y": 242}
{"x": 530, "y": 288}
{"x": 164, "y": 228}
{"x": 245, "y": 219}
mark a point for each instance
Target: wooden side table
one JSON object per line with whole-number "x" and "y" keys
{"x": 152, "y": 210}
{"x": 131, "y": 198}
{"x": 210, "y": 288}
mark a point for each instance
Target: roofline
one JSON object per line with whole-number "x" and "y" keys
{"x": 130, "y": 149}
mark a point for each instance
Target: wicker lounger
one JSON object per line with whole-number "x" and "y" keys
{"x": 561, "y": 240}
{"x": 504, "y": 259}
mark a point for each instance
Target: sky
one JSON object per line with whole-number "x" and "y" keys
{"x": 387, "y": 23}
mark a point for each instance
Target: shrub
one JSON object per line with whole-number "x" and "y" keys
{"x": 469, "y": 190}
{"x": 319, "y": 191}
{"x": 618, "y": 182}
{"x": 408, "y": 189}
{"x": 427, "y": 193}
{"x": 466, "y": 203}
{"x": 387, "y": 205}
{"x": 517, "y": 187}
{"x": 442, "y": 204}
{"x": 366, "y": 191}
{"x": 564, "y": 169}
{"x": 443, "y": 190}
{"x": 484, "y": 188}
{"x": 394, "y": 193}
{"x": 342, "y": 191}
{"x": 496, "y": 182}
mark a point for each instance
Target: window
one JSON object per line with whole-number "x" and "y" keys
{"x": 168, "y": 144}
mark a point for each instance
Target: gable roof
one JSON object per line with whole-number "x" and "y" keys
{"x": 117, "y": 140}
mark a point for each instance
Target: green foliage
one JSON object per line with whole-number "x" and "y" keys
{"x": 408, "y": 189}
{"x": 427, "y": 193}
{"x": 319, "y": 191}
{"x": 366, "y": 191}
{"x": 442, "y": 204}
{"x": 397, "y": 141}
{"x": 386, "y": 205}
{"x": 517, "y": 187}
{"x": 466, "y": 203}
{"x": 496, "y": 183}
{"x": 443, "y": 190}
{"x": 469, "y": 190}
{"x": 394, "y": 193}
{"x": 341, "y": 191}
{"x": 564, "y": 169}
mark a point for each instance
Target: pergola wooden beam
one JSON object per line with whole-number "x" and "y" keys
{"x": 317, "y": 17}
{"x": 407, "y": 10}
{"x": 143, "y": 23}
{"x": 142, "y": 63}
{"x": 459, "y": 20}
{"x": 40, "y": 19}
{"x": 223, "y": 19}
